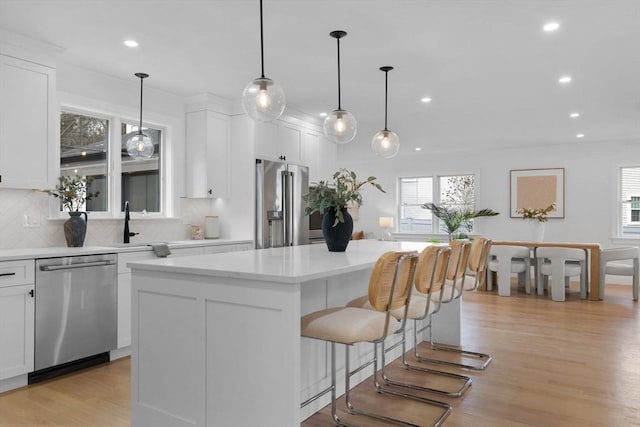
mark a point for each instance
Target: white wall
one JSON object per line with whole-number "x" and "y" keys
{"x": 590, "y": 186}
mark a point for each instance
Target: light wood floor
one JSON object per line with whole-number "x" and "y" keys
{"x": 575, "y": 363}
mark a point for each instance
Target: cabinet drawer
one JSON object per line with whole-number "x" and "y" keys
{"x": 20, "y": 272}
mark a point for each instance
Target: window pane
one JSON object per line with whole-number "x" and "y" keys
{"x": 84, "y": 142}
{"x": 630, "y": 192}
{"x": 458, "y": 193}
{"x": 414, "y": 192}
{"x": 141, "y": 178}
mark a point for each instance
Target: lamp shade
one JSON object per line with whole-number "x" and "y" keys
{"x": 140, "y": 146}
{"x": 385, "y": 144}
{"x": 385, "y": 221}
{"x": 263, "y": 100}
{"x": 340, "y": 126}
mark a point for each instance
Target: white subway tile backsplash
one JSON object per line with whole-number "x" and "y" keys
{"x": 15, "y": 204}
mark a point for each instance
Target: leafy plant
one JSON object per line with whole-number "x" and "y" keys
{"x": 72, "y": 191}
{"x": 454, "y": 218}
{"x": 345, "y": 190}
{"x": 537, "y": 213}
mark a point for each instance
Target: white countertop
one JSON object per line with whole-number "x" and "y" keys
{"x": 292, "y": 264}
{"x": 61, "y": 251}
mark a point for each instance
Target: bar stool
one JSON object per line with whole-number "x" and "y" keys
{"x": 389, "y": 289}
{"x": 458, "y": 280}
{"x": 429, "y": 280}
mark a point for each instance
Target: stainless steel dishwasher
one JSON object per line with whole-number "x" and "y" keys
{"x": 76, "y": 312}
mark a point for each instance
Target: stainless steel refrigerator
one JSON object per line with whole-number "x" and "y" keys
{"x": 280, "y": 218}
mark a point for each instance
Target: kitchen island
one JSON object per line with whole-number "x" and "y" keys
{"x": 216, "y": 338}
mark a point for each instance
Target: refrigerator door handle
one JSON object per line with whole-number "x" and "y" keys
{"x": 287, "y": 183}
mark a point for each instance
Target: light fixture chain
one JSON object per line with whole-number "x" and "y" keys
{"x": 261, "y": 43}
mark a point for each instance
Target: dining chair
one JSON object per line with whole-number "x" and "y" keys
{"x": 632, "y": 254}
{"x": 561, "y": 264}
{"x": 429, "y": 280}
{"x": 465, "y": 258}
{"x": 505, "y": 260}
{"x": 390, "y": 286}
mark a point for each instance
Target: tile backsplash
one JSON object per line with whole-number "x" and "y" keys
{"x": 24, "y": 223}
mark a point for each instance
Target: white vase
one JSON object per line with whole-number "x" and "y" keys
{"x": 537, "y": 230}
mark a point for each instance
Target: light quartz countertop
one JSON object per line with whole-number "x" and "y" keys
{"x": 54, "y": 252}
{"x": 293, "y": 264}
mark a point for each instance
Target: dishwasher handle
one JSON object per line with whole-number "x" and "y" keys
{"x": 74, "y": 266}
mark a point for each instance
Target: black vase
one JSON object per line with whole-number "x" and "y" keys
{"x": 337, "y": 238}
{"x": 75, "y": 228}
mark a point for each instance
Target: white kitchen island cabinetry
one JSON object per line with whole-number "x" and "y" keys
{"x": 216, "y": 338}
{"x": 28, "y": 124}
{"x": 17, "y": 306}
{"x": 124, "y": 276}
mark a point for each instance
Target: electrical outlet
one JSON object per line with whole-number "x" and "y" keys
{"x": 31, "y": 219}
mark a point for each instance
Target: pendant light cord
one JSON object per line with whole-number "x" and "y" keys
{"x": 339, "y": 105}
{"x": 261, "y": 43}
{"x": 140, "y": 127}
{"x": 386, "y": 82}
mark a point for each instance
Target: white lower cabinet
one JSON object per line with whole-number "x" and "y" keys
{"x": 17, "y": 305}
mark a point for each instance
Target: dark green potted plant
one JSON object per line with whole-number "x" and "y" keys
{"x": 332, "y": 200}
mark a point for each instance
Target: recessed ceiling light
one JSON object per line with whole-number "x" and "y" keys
{"x": 580, "y": 135}
{"x": 564, "y": 79}
{"x": 418, "y": 149}
{"x": 426, "y": 100}
{"x": 323, "y": 114}
{"x": 574, "y": 115}
{"x": 551, "y": 26}
{"x": 131, "y": 43}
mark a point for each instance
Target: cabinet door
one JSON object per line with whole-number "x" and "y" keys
{"x": 327, "y": 153}
{"x": 16, "y": 330}
{"x": 208, "y": 154}
{"x": 267, "y": 145}
{"x": 124, "y": 309}
{"x": 28, "y": 125}
{"x": 290, "y": 139}
{"x": 309, "y": 156}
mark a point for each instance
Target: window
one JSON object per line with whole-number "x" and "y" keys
{"x": 454, "y": 191}
{"x": 414, "y": 192}
{"x": 89, "y": 147}
{"x": 630, "y": 207}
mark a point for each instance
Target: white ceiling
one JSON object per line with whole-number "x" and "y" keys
{"x": 490, "y": 69}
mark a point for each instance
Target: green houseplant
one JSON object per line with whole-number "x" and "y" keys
{"x": 344, "y": 191}
{"x": 73, "y": 194}
{"x": 332, "y": 200}
{"x": 455, "y": 218}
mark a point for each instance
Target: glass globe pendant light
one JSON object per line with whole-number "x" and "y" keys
{"x": 385, "y": 143}
{"x": 263, "y": 99}
{"x": 139, "y": 145}
{"x": 340, "y": 126}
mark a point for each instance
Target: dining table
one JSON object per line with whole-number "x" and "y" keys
{"x": 593, "y": 259}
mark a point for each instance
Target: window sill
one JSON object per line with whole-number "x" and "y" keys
{"x": 626, "y": 241}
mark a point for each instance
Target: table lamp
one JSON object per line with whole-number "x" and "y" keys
{"x": 386, "y": 222}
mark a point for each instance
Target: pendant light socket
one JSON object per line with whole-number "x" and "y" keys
{"x": 340, "y": 127}
{"x": 139, "y": 146}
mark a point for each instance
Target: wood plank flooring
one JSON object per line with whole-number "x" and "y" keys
{"x": 575, "y": 363}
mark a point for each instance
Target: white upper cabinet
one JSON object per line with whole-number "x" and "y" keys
{"x": 279, "y": 140}
{"x": 28, "y": 124}
{"x": 319, "y": 154}
{"x": 208, "y": 154}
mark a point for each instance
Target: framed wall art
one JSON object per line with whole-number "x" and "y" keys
{"x": 537, "y": 189}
